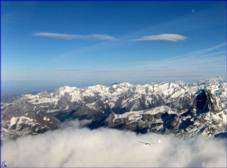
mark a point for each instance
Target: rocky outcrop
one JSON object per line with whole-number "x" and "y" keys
{"x": 181, "y": 109}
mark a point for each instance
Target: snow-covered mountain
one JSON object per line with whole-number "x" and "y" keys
{"x": 179, "y": 108}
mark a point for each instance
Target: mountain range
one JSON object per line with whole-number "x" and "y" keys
{"x": 183, "y": 109}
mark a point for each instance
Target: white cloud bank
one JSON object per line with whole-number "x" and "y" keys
{"x": 162, "y": 37}
{"x": 76, "y": 147}
{"x": 64, "y": 36}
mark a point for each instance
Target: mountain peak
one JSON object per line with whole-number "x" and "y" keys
{"x": 180, "y": 108}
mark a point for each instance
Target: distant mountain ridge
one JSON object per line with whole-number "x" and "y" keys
{"x": 178, "y": 108}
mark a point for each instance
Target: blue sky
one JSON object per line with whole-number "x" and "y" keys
{"x": 111, "y": 42}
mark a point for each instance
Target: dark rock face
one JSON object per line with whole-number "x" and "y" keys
{"x": 222, "y": 135}
{"x": 205, "y": 101}
{"x": 185, "y": 124}
{"x": 169, "y": 120}
{"x": 202, "y": 102}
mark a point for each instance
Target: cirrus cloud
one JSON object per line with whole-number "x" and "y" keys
{"x": 162, "y": 37}
{"x": 65, "y": 36}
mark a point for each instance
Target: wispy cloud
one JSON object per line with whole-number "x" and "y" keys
{"x": 162, "y": 37}
{"x": 64, "y": 36}
{"x": 201, "y": 64}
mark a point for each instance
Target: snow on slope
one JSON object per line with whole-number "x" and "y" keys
{"x": 158, "y": 106}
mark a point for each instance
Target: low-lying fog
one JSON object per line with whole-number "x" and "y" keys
{"x": 76, "y": 146}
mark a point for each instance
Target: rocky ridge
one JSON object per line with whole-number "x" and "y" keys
{"x": 178, "y": 108}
